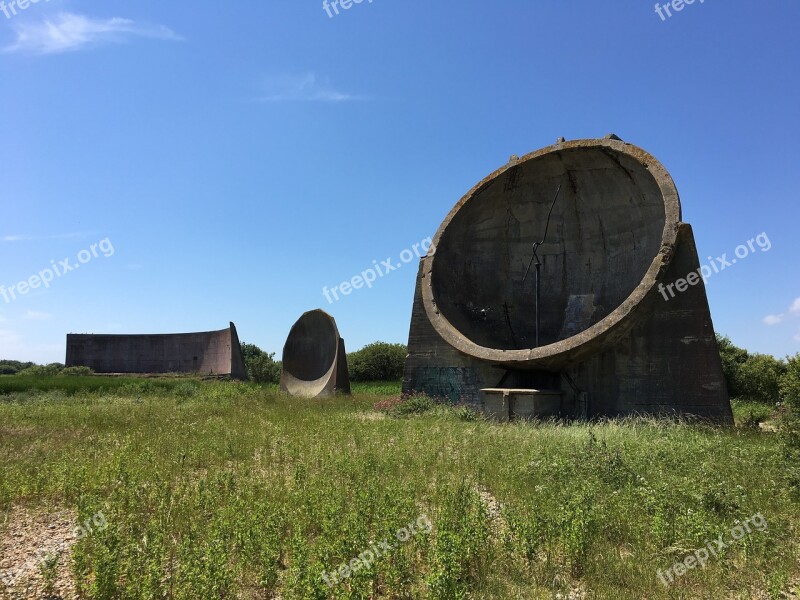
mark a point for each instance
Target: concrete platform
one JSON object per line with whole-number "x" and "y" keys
{"x": 505, "y": 404}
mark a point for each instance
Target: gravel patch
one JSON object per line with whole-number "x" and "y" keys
{"x": 35, "y": 550}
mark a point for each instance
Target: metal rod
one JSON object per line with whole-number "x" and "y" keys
{"x": 535, "y": 261}
{"x": 544, "y": 237}
{"x": 538, "y": 318}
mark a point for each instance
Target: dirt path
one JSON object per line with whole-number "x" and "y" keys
{"x": 35, "y": 549}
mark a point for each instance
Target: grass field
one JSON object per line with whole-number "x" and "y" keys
{"x": 232, "y": 490}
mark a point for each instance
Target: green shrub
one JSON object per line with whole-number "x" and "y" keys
{"x": 415, "y": 404}
{"x": 77, "y": 371}
{"x": 12, "y": 367}
{"x": 251, "y": 351}
{"x": 261, "y": 366}
{"x": 748, "y": 415}
{"x": 759, "y": 378}
{"x": 41, "y": 370}
{"x": 378, "y": 361}
{"x": 733, "y": 358}
{"x": 790, "y": 382}
{"x": 264, "y": 369}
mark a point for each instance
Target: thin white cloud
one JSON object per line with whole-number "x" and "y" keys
{"x": 69, "y": 32}
{"x": 303, "y": 88}
{"x": 794, "y": 309}
{"x": 773, "y": 319}
{"x": 36, "y": 238}
{"x": 34, "y": 315}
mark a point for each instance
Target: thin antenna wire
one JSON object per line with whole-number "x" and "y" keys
{"x": 550, "y": 213}
{"x": 535, "y": 257}
{"x": 536, "y": 245}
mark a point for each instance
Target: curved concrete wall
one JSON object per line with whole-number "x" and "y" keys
{"x": 609, "y": 343}
{"x": 204, "y": 353}
{"x": 616, "y": 210}
{"x": 314, "y": 362}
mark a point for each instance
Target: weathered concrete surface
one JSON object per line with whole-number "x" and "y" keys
{"x": 206, "y": 353}
{"x": 505, "y": 404}
{"x": 314, "y": 361}
{"x": 615, "y": 235}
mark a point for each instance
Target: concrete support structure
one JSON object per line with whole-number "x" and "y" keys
{"x": 609, "y": 341}
{"x": 206, "y": 353}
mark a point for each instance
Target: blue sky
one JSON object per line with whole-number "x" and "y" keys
{"x": 240, "y": 156}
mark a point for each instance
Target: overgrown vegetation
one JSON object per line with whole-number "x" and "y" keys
{"x": 378, "y": 361}
{"x": 76, "y": 372}
{"x": 261, "y": 366}
{"x": 229, "y": 489}
{"x": 79, "y": 385}
{"x": 790, "y": 382}
{"x": 29, "y": 369}
{"x": 12, "y": 367}
{"x": 754, "y": 377}
{"x": 790, "y": 424}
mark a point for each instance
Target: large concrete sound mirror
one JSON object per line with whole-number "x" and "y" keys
{"x": 546, "y": 281}
{"x": 215, "y": 353}
{"x": 314, "y": 358}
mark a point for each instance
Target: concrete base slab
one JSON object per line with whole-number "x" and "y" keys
{"x": 504, "y": 404}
